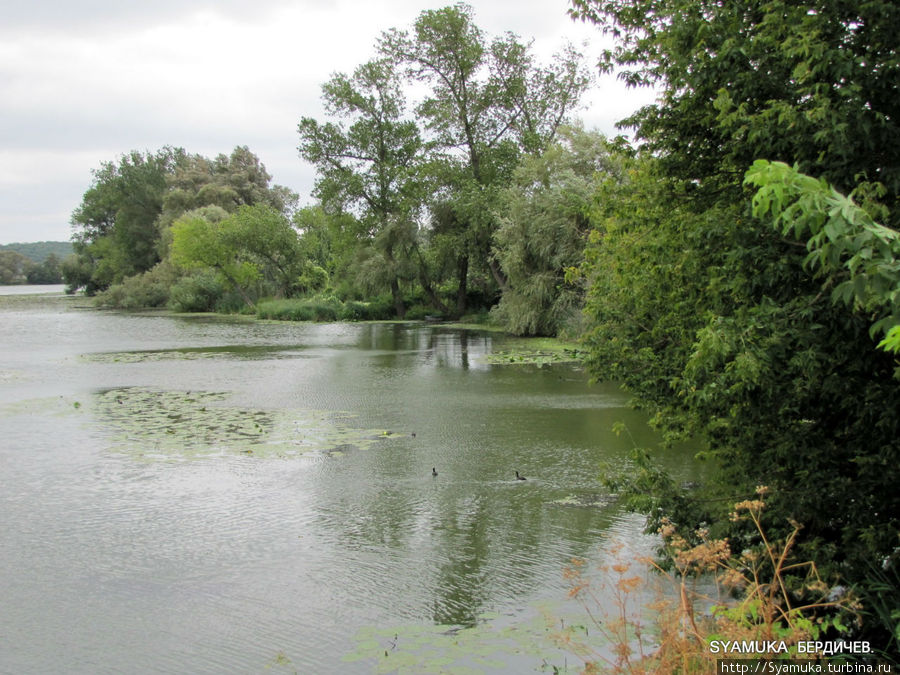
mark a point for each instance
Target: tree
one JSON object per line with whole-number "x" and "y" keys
{"x": 264, "y": 237}
{"x": 329, "y": 241}
{"x": 811, "y": 83}
{"x": 544, "y": 220}
{"x": 370, "y": 166}
{"x": 253, "y": 249}
{"x": 226, "y": 181}
{"x": 708, "y": 314}
{"x": 487, "y": 103}
{"x": 855, "y": 257}
{"x": 115, "y": 231}
{"x": 46, "y": 272}
{"x": 14, "y": 267}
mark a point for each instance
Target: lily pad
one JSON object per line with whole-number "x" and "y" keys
{"x": 245, "y": 352}
{"x": 534, "y": 351}
{"x": 591, "y": 500}
{"x": 154, "y": 423}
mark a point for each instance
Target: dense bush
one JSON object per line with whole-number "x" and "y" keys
{"x": 143, "y": 291}
{"x": 300, "y": 309}
{"x": 324, "y": 308}
{"x": 198, "y": 292}
{"x": 725, "y": 327}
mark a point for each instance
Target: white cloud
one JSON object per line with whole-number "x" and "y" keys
{"x": 97, "y": 79}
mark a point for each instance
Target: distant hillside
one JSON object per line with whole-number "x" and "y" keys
{"x": 39, "y": 251}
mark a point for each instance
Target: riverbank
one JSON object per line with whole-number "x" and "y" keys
{"x": 512, "y": 349}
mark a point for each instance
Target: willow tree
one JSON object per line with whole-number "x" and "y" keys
{"x": 367, "y": 162}
{"x": 226, "y": 181}
{"x": 545, "y": 218}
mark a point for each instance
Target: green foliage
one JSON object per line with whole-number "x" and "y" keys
{"x": 76, "y": 272}
{"x": 200, "y": 291}
{"x": 330, "y": 241}
{"x": 122, "y": 227}
{"x": 39, "y": 251}
{"x": 32, "y": 263}
{"x": 371, "y": 166}
{"x": 852, "y": 254}
{"x": 811, "y": 83}
{"x": 716, "y": 328}
{"x": 48, "y": 271}
{"x": 115, "y": 233}
{"x": 142, "y": 291}
{"x": 891, "y": 342}
{"x": 645, "y": 277}
{"x": 324, "y": 308}
{"x": 313, "y": 278}
{"x": 305, "y": 309}
{"x": 713, "y": 319}
{"x": 254, "y": 249}
{"x": 544, "y": 221}
{"x": 14, "y": 267}
{"x": 227, "y": 182}
{"x": 18, "y": 268}
{"x": 487, "y": 104}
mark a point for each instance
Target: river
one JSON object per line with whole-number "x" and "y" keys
{"x": 218, "y": 495}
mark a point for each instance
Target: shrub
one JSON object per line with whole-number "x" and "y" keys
{"x": 301, "y": 309}
{"x": 381, "y": 307}
{"x": 313, "y": 278}
{"x": 147, "y": 290}
{"x": 418, "y": 312}
{"x": 231, "y": 302}
{"x": 325, "y": 308}
{"x": 354, "y": 310}
{"x": 762, "y": 596}
{"x": 198, "y": 292}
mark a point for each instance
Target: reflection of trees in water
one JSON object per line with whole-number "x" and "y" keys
{"x": 456, "y": 348}
{"x": 494, "y": 548}
{"x": 461, "y": 586}
{"x": 402, "y": 344}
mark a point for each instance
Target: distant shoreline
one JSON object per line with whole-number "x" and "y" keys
{"x": 32, "y": 289}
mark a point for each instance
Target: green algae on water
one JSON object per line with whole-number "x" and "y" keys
{"x": 153, "y": 423}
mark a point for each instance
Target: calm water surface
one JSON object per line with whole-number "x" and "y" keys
{"x": 207, "y": 495}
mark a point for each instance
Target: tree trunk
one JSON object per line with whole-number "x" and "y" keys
{"x": 498, "y": 275}
{"x": 462, "y": 292}
{"x": 427, "y": 285}
{"x": 399, "y": 307}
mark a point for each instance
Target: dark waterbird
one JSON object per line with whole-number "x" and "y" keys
{"x": 518, "y": 477}
{"x": 433, "y": 471}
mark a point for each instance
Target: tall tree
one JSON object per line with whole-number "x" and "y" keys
{"x": 227, "y": 181}
{"x": 544, "y": 220}
{"x": 708, "y": 314}
{"x": 487, "y": 103}
{"x": 14, "y": 267}
{"x": 812, "y": 83}
{"x": 371, "y": 165}
{"x": 114, "y": 227}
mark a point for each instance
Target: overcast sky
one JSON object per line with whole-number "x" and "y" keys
{"x": 84, "y": 81}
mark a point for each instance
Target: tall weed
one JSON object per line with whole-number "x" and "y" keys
{"x": 707, "y": 593}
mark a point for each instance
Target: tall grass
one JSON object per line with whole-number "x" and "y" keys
{"x": 708, "y": 593}
{"x": 323, "y": 308}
